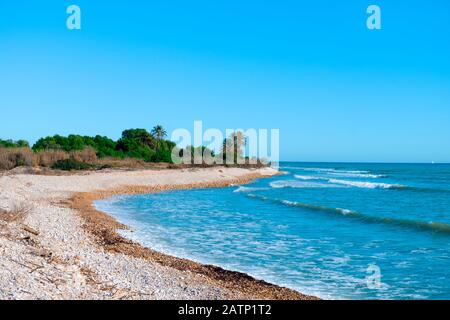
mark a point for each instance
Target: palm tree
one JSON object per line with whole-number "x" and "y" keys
{"x": 233, "y": 145}
{"x": 159, "y": 134}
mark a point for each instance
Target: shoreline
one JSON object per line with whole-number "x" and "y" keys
{"x": 208, "y": 281}
{"x": 104, "y": 227}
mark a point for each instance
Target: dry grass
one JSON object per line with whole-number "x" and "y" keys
{"x": 11, "y": 158}
{"x": 48, "y": 157}
{"x": 88, "y": 155}
{"x": 130, "y": 163}
{"x": 15, "y": 157}
{"x": 17, "y": 212}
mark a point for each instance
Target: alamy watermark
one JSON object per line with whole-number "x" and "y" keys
{"x": 374, "y": 20}
{"x": 73, "y": 21}
{"x": 235, "y": 146}
{"x": 373, "y": 280}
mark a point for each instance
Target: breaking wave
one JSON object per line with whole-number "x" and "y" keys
{"x": 331, "y": 183}
{"x": 342, "y": 173}
{"x": 365, "y": 184}
{"x": 301, "y": 177}
{"x": 348, "y": 174}
{"x": 247, "y": 189}
{"x": 299, "y": 184}
{"x": 349, "y": 183}
{"x": 433, "y": 226}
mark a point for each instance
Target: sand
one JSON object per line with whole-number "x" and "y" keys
{"x": 62, "y": 248}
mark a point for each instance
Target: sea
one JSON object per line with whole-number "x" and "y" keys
{"x": 333, "y": 230}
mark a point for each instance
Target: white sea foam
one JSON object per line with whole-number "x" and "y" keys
{"x": 298, "y": 184}
{"x": 302, "y": 177}
{"x": 339, "y": 172}
{"x": 319, "y": 169}
{"x": 330, "y": 183}
{"x": 364, "y": 184}
{"x": 345, "y": 211}
{"x": 247, "y": 189}
{"x": 314, "y": 207}
{"x": 348, "y": 174}
{"x": 289, "y": 203}
{"x": 333, "y": 170}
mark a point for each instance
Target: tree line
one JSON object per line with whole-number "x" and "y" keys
{"x": 70, "y": 151}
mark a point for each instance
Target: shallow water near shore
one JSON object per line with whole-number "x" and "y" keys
{"x": 323, "y": 229}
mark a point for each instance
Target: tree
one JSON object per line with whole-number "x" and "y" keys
{"x": 22, "y": 144}
{"x": 140, "y": 136}
{"x": 14, "y": 144}
{"x": 232, "y": 147}
{"x": 137, "y": 143}
{"x": 189, "y": 153}
{"x": 159, "y": 134}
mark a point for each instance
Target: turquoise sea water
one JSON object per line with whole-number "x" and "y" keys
{"x": 322, "y": 228}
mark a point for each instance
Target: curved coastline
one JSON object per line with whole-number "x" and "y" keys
{"x": 104, "y": 228}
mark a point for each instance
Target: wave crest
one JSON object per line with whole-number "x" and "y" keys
{"x": 365, "y": 184}
{"x": 298, "y": 184}
{"x": 302, "y": 177}
{"x": 247, "y": 189}
{"x": 433, "y": 226}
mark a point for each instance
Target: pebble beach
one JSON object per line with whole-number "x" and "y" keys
{"x": 57, "y": 246}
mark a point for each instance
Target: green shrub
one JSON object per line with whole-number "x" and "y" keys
{"x": 162, "y": 156}
{"x": 14, "y": 144}
{"x": 134, "y": 143}
{"x": 71, "y": 164}
{"x": 77, "y": 152}
{"x": 75, "y": 143}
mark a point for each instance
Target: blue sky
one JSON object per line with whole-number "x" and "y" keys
{"x": 336, "y": 90}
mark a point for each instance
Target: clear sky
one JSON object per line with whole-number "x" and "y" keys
{"x": 336, "y": 90}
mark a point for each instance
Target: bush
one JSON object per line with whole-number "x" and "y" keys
{"x": 86, "y": 155}
{"x": 47, "y": 158}
{"x": 106, "y": 147}
{"x": 71, "y": 164}
{"x": 11, "y": 158}
{"x": 15, "y": 157}
{"x": 134, "y": 143}
{"x": 103, "y": 146}
{"x": 14, "y": 144}
{"x": 134, "y": 146}
{"x": 137, "y": 143}
{"x": 162, "y": 156}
